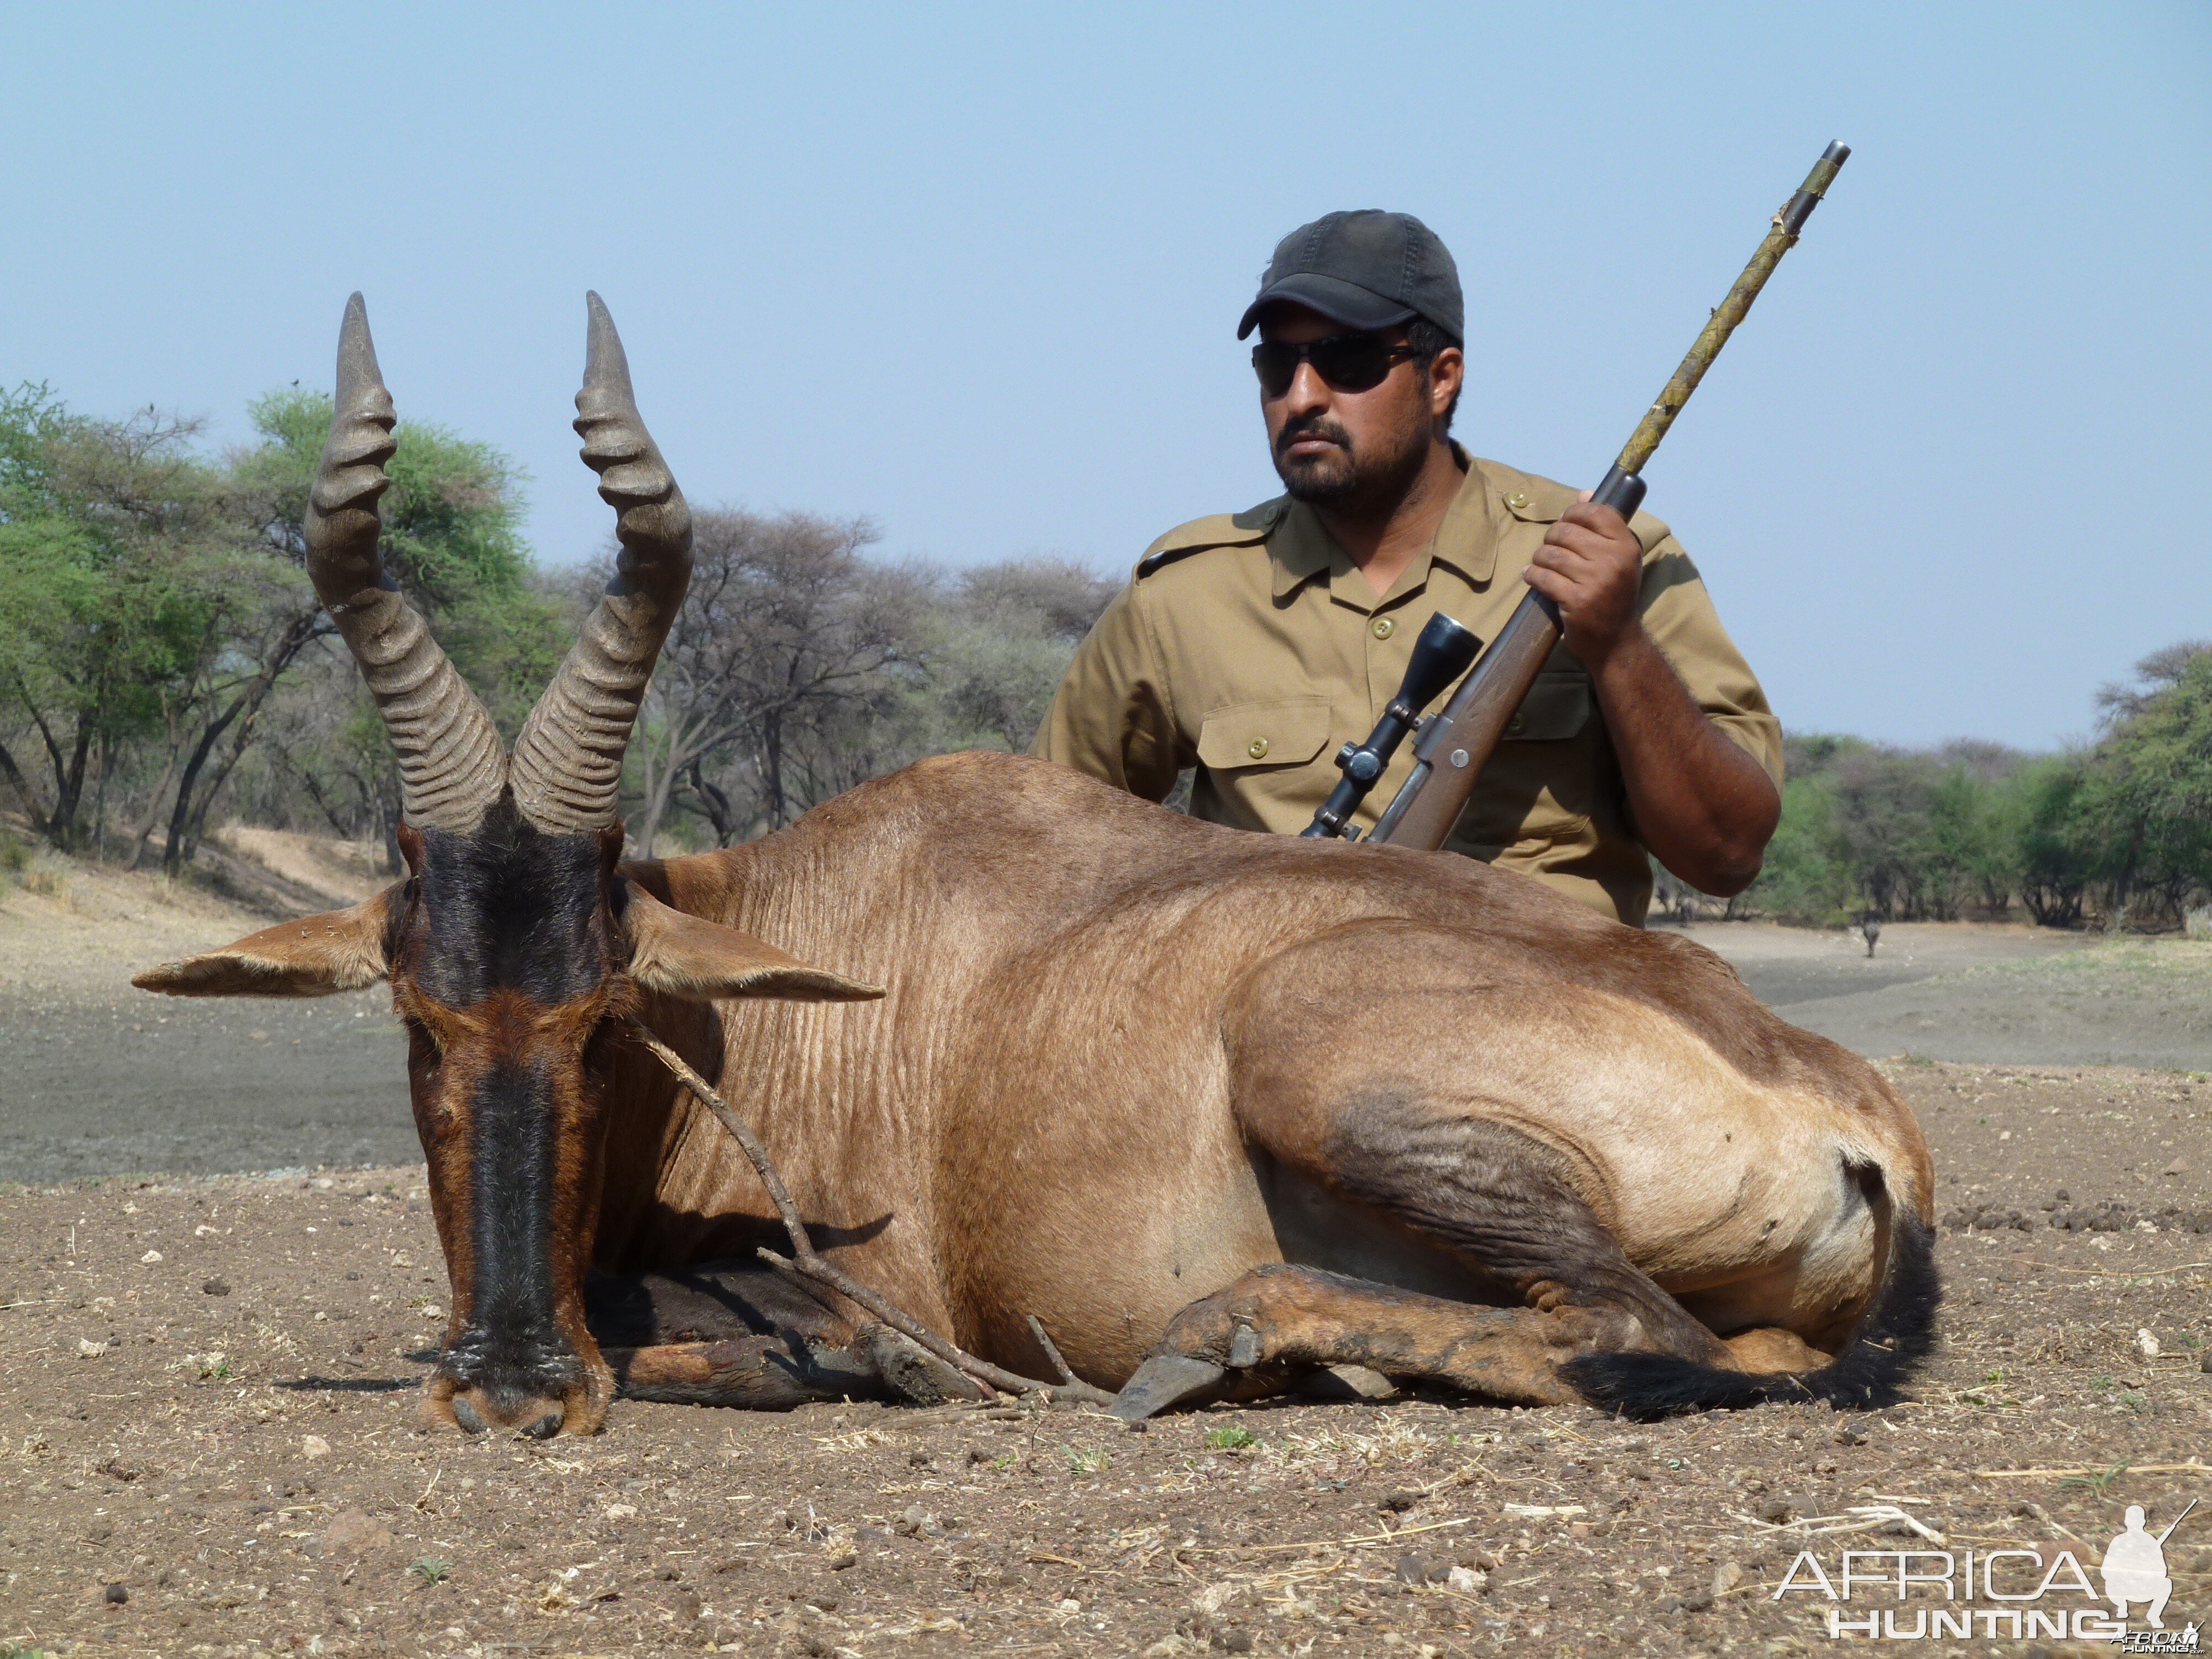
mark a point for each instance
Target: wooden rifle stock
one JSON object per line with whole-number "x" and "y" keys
{"x": 1457, "y": 742}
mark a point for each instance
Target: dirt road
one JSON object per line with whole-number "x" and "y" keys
{"x": 1993, "y": 994}
{"x": 98, "y": 1078}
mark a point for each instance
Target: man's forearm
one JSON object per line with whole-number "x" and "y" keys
{"x": 1703, "y": 805}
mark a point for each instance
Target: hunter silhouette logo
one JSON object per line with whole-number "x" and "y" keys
{"x": 2134, "y": 1569}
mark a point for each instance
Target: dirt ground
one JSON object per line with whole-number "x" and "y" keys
{"x": 208, "y": 1439}
{"x": 206, "y": 1388}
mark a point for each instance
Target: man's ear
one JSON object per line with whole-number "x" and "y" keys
{"x": 685, "y": 956}
{"x": 314, "y": 957}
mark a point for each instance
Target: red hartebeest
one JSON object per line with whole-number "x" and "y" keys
{"x": 1218, "y": 1109}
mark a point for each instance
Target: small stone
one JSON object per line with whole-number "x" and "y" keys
{"x": 90, "y": 1350}
{"x": 214, "y": 1287}
{"x": 314, "y": 1446}
{"x": 1412, "y": 1570}
{"x": 117, "y": 1596}
{"x": 354, "y": 1532}
{"x": 840, "y": 1563}
{"x": 150, "y": 1257}
{"x": 1468, "y": 1581}
{"x": 2147, "y": 1344}
{"x": 1775, "y": 1510}
{"x": 1237, "y": 1641}
{"x": 1398, "y": 1502}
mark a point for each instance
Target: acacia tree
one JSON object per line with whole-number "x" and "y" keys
{"x": 116, "y": 582}
{"x": 152, "y": 601}
{"x": 785, "y": 623}
{"x": 451, "y": 538}
{"x": 2147, "y": 794}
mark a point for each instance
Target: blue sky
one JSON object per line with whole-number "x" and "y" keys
{"x": 976, "y": 273}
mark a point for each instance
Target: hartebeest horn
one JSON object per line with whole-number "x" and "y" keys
{"x": 452, "y": 763}
{"x": 568, "y": 760}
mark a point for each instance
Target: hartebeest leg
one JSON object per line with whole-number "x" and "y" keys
{"x": 1279, "y": 1321}
{"x": 1505, "y": 1204}
{"x": 727, "y": 1333}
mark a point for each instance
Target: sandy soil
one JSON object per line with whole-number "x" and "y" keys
{"x": 208, "y": 1389}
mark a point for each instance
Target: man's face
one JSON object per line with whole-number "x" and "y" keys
{"x": 1352, "y": 450}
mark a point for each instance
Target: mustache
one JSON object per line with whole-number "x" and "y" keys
{"x": 1312, "y": 425}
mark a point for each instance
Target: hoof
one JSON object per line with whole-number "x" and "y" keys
{"x": 1165, "y": 1380}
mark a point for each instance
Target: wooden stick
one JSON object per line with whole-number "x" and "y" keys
{"x": 2192, "y": 1467}
{"x": 1051, "y": 1349}
{"x": 806, "y": 1260}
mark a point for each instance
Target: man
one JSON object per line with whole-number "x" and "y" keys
{"x": 1252, "y": 646}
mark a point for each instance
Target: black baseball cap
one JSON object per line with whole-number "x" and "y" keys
{"x": 1364, "y": 269}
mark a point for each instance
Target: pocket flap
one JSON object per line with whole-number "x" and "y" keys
{"x": 1557, "y": 706}
{"x": 1289, "y": 732}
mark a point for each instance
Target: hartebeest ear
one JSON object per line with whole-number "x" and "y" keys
{"x": 685, "y": 956}
{"x": 314, "y": 957}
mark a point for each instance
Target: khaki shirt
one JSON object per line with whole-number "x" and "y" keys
{"x": 1250, "y": 647}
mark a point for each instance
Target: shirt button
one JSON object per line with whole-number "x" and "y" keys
{"x": 1383, "y": 627}
{"x": 1516, "y": 726}
{"x": 1258, "y": 750}
{"x": 1518, "y": 498}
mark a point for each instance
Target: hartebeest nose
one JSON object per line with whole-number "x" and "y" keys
{"x": 479, "y": 1409}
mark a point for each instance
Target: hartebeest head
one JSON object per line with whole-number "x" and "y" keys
{"x": 515, "y": 946}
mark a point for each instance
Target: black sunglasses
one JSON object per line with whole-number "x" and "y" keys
{"x": 1349, "y": 362}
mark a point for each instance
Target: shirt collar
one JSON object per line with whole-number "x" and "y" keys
{"x": 1467, "y": 539}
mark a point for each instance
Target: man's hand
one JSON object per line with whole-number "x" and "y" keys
{"x": 1591, "y": 566}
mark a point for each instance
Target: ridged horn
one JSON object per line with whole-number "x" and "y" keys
{"x": 567, "y": 763}
{"x": 452, "y": 763}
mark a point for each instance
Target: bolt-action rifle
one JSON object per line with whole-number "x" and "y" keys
{"x": 1456, "y": 743}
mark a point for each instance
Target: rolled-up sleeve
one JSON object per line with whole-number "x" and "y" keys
{"x": 1113, "y": 716}
{"x": 1679, "y": 615}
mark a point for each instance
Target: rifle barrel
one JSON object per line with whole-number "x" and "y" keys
{"x": 1457, "y": 743}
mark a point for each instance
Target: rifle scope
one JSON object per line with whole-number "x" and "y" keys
{"x": 1441, "y": 655}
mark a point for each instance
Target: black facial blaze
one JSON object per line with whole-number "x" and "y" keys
{"x": 509, "y": 908}
{"x": 512, "y": 1342}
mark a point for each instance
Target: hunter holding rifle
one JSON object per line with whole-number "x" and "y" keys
{"x": 1250, "y": 645}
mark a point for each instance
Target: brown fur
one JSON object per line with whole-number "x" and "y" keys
{"x": 1125, "y": 1061}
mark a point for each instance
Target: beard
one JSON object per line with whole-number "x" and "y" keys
{"x": 1348, "y": 479}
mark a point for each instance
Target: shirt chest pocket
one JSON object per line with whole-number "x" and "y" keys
{"x": 1287, "y": 733}
{"x": 1557, "y": 707}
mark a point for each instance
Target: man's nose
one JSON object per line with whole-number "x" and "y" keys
{"x": 1309, "y": 393}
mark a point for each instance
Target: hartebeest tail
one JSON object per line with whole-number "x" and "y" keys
{"x": 1893, "y": 1341}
